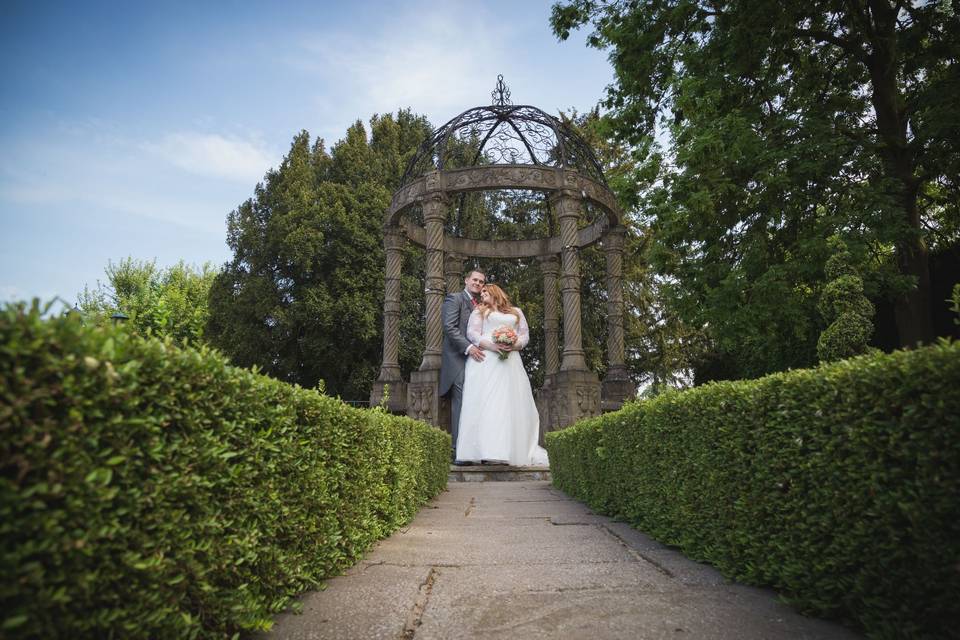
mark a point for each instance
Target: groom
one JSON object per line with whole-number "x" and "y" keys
{"x": 457, "y": 308}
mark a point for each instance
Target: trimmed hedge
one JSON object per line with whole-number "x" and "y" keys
{"x": 151, "y": 491}
{"x": 838, "y": 486}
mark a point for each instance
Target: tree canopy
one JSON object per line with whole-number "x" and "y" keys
{"x": 302, "y": 297}
{"x": 780, "y": 125}
{"x": 170, "y": 302}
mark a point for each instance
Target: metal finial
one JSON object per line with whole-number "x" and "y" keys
{"x": 501, "y": 94}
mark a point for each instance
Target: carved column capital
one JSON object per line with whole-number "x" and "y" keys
{"x": 435, "y": 205}
{"x": 394, "y": 238}
{"x": 566, "y": 202}
{"x": 549, "y": 264}
{"x": 613, "y": 239}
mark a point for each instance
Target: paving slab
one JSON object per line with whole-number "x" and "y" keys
{"x": 521, "y": 559}
{"x": 370, "y": 601}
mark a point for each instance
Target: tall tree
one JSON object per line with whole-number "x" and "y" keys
{"x": 302, "y": 297}
{"x": 169, "y": 302}
{"x": 787, "y": 122}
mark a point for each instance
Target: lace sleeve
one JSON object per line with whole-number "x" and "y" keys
{"x": 523, "y": 331}
{"x": 475, "y": 327}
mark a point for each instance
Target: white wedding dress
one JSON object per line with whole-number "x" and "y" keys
{"x": 498, "y": 417}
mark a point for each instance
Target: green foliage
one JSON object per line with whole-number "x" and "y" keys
{"x": 844, "y": 307}
{"x": 955, "y": 303}
{"x": 837, "y": 485}
{"x": 784, "y": 123}
{"x": 149, "y": 491}
{"x": 168, "y": 302}
{"x": 305, "y": 286}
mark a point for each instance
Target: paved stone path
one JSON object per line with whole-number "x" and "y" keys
{"x": 522, "y": 560}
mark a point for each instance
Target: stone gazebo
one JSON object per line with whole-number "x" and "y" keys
{"x": 519, "y": 148}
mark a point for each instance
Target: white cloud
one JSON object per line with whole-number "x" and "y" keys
{"x": 429, "y": 59}
{"x": 187, "y": 179}
{"x": 440, "y": 60}
{"x": 211, "y": 154}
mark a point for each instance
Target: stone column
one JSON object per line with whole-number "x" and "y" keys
{"x": 453, "y": 272}
{"x": 389, "y": 382}
{"x": 566, "y": 203}
{"x": 613, "y": 248}
{"x": 575, "y": 390}
{"x": 423, "y": 392}
{"x": 434, "y": 215}
{"x": 616, "y": 386}
{"x": 549, "y": 267}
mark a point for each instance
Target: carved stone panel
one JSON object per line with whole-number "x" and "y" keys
{"x": 588, "y": 400}
{"x": 576, "y": 396}
{"x": 424, "y": 401}
{"x": 421, "y": 403}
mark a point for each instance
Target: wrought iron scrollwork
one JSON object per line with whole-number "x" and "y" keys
{"x": 501, "y": 93}
{"x": 504, "y": 133}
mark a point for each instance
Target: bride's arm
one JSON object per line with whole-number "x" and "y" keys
{"x": 475, "y": 332}
{"x": 523, "y": 331}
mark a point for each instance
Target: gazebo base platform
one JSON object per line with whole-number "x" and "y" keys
{"x": 496, "y": 473}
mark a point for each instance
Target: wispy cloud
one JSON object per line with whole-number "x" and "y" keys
{"x": 423, "y": 58}
{"x": 212, "y": 154}
{"x": 190, "y": 179}
{"x": 440, "y": 60}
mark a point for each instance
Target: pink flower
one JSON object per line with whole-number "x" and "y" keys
{"x": 504, "y": 335}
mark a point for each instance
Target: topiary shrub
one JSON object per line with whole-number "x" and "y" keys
{"x": 837, "y": 485}
{"x": 148, "y": 491}
{"x": 843, "y": 305}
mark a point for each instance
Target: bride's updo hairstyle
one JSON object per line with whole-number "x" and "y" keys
{"x": 500, "y": 302}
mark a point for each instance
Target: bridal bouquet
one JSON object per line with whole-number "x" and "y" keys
{"x": 505, "y": 336}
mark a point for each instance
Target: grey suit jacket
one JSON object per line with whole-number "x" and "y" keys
{"x": 457, "y": 308}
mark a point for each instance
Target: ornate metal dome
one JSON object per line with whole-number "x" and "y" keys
{"x": 504, "y": 133}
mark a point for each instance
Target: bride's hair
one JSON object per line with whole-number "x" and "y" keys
{"x": 499, "y": 302}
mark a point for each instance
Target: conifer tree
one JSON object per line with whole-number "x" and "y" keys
{"x": 302, "y": 297}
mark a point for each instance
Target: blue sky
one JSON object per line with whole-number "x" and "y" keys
{"x": 134, "y": 128}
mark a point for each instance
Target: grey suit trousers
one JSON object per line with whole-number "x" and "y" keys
{"x": 456, "y": 399}
{"x": 456, "y": 311}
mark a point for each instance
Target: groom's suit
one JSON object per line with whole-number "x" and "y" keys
{"x": 457, "y": 308}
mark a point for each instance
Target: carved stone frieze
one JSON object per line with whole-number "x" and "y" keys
{"x": 504, "y": 177}
{"x": 433, "y": 181}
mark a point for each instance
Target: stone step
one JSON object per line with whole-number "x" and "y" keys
{"x": 495, "y": 473}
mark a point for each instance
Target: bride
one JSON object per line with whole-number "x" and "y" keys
{"x": 498, "y": 418}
